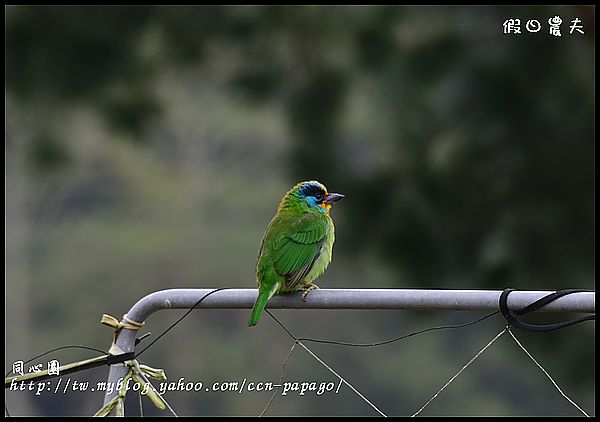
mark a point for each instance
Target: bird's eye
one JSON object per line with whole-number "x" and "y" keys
{"x": 319, "y": 196}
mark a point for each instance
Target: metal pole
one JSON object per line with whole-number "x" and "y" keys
{"x": 408, "y": 299}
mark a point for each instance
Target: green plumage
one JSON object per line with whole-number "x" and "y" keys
{"x": 297, "y": 245}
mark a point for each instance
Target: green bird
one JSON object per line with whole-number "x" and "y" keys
{"x": 296, "y": 247}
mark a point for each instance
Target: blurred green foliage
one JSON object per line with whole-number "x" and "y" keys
{"x": 156, "y": 141}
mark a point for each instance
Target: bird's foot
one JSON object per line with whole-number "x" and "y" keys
{"x": 307, "y": 290}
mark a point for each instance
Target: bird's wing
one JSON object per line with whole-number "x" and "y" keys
{"x": 296, "y": 251}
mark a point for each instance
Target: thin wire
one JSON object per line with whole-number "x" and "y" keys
{"x": 547, "y": 374}
{"x": 381, "y": 343}
{"x": 145, "y": 378}
{"x": 280, "y": 379}
{"x": 300, "y": 340}
{"x": 460, "y": 371}
{"x": 71, "y": 346}
{"x": 142, "y": 351}
{"x": 281, "y": 325}
{"x": 340, "y": 377}
{"x": 325, "y": 365}
{"x": 180, "y": 319}
{"x": 60, "y": 348}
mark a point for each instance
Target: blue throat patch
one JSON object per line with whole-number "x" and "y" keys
{"x": 312, "y": 201}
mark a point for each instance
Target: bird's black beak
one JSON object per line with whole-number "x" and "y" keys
{"x": 333, "y": 197}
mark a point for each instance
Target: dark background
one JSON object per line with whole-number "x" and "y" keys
{"x": 148, "y": 147}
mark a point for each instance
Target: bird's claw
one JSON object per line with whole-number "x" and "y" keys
{"x": 307, "y": 290}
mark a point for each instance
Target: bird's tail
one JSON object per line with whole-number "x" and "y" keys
{"x": 259, "y": 306}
